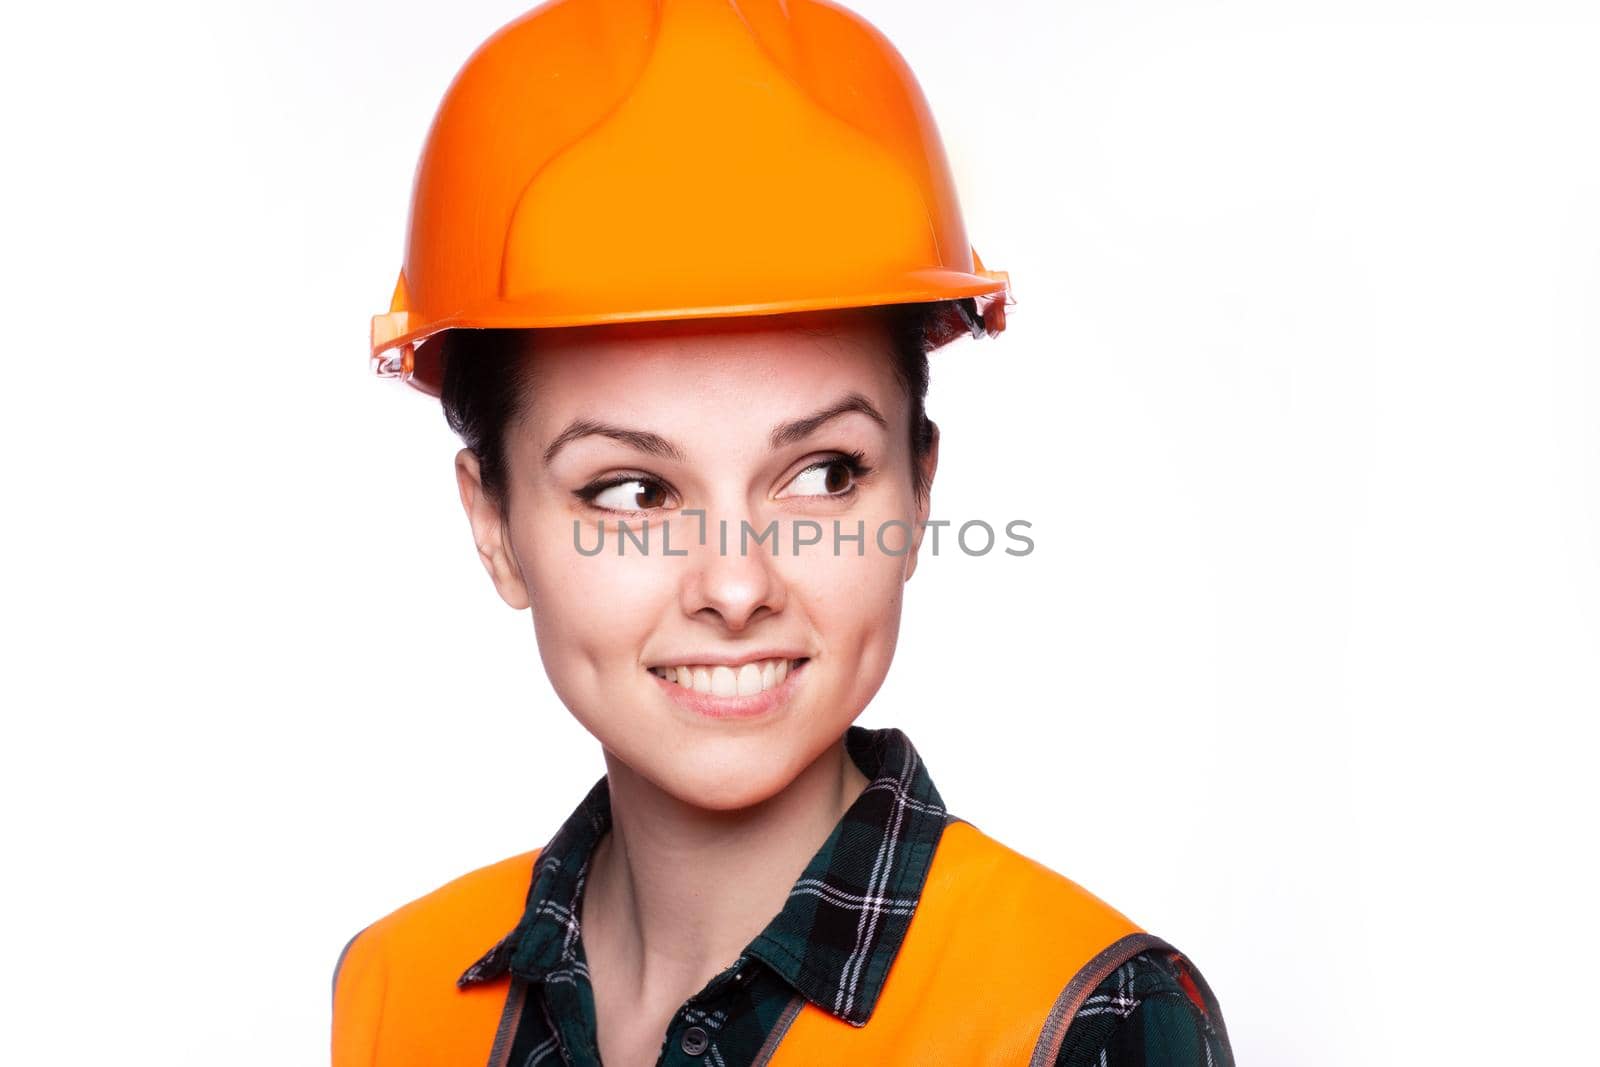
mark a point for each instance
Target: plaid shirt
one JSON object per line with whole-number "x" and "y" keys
{"x": 1154, "y": 1010}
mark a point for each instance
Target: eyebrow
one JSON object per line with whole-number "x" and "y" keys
{"x": 654, "y": 444}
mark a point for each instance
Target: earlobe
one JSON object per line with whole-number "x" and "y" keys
{"x": 489, "y": 532}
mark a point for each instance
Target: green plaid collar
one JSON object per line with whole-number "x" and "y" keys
{"x": 845, "y": 918}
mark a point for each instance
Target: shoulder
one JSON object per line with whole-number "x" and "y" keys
{"x": 1154, "y": 1008}
{"x": 994, "y": 919}
{"x": 457, "y": 922}
{"x": 1023, "y": 899}
{"x": 394, "y": 985}
{"x": 1113, "y": 987}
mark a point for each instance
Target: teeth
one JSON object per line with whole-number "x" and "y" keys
{"x": 749, "y": 679}
{"x": 723, "y": 681}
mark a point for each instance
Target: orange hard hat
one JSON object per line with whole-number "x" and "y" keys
{"x": 622, "y": 160}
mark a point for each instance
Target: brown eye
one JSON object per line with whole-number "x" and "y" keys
{"x": 632, "y": 494}
{"x": 831, "y": 477}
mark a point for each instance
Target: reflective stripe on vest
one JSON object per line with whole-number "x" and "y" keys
{"x": 996, "y": 961}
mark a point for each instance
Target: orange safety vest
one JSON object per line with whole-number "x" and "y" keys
{"x": 1035, "y": 945}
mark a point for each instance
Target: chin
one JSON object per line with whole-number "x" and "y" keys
{"x": 730, "y": 789}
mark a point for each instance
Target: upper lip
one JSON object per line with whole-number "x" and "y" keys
{"x": 729, "y": 659}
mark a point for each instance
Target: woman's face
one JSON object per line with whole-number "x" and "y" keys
{"x": 715, "y": 671}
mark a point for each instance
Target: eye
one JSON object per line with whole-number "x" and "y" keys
{"x": 836, "y": 476}
{"x": 626, "y": 494}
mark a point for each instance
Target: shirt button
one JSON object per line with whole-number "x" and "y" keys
{"x": 694, "y": 1041}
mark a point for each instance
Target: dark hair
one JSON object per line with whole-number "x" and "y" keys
{"x": 486, "y": 377}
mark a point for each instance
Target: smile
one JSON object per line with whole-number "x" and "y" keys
{"x": 755, "y": 689}
{"x": 722, "y": 680}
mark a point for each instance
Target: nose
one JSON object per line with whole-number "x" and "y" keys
{"x": 732, "y": 588}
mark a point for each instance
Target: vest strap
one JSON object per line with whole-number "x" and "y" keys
{"x": 1085, "y": 982}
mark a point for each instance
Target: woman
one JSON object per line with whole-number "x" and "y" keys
{"x": 674, "y": 271}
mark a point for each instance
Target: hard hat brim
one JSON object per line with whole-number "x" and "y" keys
{"x": 400, "y": 328}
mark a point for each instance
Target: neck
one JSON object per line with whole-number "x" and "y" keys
{"x": 675, "y": 892}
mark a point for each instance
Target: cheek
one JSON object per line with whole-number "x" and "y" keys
{"x": 854, "y": 601}
{"x": 591, "y": 613}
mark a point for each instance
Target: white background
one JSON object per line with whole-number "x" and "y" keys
{"x": 1300, "y": 395}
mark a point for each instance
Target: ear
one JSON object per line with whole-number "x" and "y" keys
{"x": 490, "y": 532}
{"x": 930, "y": 465}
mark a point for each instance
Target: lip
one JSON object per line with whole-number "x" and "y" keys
{"x": 752, "y": 706}
{"x": 729, "y": 659}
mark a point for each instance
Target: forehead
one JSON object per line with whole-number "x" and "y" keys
{"x": 696, "y": 369}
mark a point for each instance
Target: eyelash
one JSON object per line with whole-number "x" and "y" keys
{"x": 855, "y": 462}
